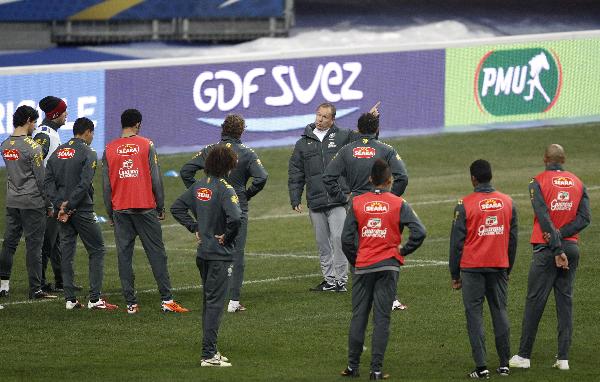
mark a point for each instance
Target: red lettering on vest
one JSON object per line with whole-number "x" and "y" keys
{"x": 491, "y": 204}
{"x": 128, "y": 149}
{"x": 378, "y": 218}
{"x": 11, "y": 154}
{"x": 204, "y": 194}
{"x": 562, "y": 192}
{"x": 377, "y": 207}
{"x": 129, "y": 173}
{"x": 363, "y": 152}
{"x": 488, "y": 230}
{"x": 65, "y": 153}
{"x": 563, "y": 182}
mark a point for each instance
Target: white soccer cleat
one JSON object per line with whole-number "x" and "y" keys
{"x": 101, "y": 304}
{"x": 73, "y": 305}
{"x": 561, "y": 364}
{"x": 397, "y": 305}
{"x": 215, "y": 361}
{"x": 519, "y": 362}
{"x": 221, "y": 357}
{"x": 235, "y": 306}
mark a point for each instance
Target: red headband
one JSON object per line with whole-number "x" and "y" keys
{"x": 58, "y": 110}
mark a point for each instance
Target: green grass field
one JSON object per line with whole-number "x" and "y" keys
{"x": 289, "y": 333}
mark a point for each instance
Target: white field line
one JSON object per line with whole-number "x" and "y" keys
{"x": 423, "y": 203}
{"x": 409, "y": 264}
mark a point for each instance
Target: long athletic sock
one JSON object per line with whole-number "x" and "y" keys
{"x": 4, "y": 284}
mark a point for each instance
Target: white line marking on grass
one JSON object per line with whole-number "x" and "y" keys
{"x": 411, "y": 264}
{"x": 297, "y": 215}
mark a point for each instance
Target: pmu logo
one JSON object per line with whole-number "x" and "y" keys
{"x": 128, "y": 149}
{"x": 66, "y": 153}
{"x": 491, "y": 204}
{"x": 563, "y": 182}
{"x": 11, "y": 154}
{"x": 377, "y": 207}
{"x": 363, "y": 152}
{"x": 204, "y": 194}
{"x": 519, "y": 81}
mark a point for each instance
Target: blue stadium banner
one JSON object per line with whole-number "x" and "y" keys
{"x": 48, "y": 10}
{"x": 82, "y": 91}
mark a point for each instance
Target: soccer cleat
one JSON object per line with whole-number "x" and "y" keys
{"x": 503, "y": 371}
{"x": 483, "y": 374}
{"x": 1, "y": 307}
{"x": 133, "y": 308}
{"x": 215, "y": 361}
{"x": 172, "y": 306}
{"x": 376, "y": 375}
{"x": 41, "y": 295}
{"x": 519, "y": 362}
{"x": 397, "y": 305}
{"x": 101, "y": 304}
{"x": 352, "y": 373}
{"x": 3, "y": 293}
{"x": 221, "y": 357}
{"x": 235, "y": 306}
{"x": 319, "y": 287}
{"x": 561, "y": 364}
{"x": 341, "y": 287}
{"x": 73, "y": 305}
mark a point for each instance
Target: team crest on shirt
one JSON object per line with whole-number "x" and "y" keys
{"x": 204, "y": 194}
{"x": 563, "y": 182}
{"x": 491, "y": 204}
{"x": 376, "y": 207}
{"x": 128, "y": 149}
{"x": 65, "y": 153}
{"x": 235, "y": 199}
{"x": 11, "y": 154}
{"x": 363, "y": 152}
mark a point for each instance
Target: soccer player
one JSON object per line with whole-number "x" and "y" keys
{"x": 46, "y": 135}
{"x": 248, "y": 166}
{"x": 375, "y": 221}
{"x": 134, "y": 200}
{"x": 483, "y": 244}
{"x": 355, "y": 161}
{"x": 214, "y": 203}
{"x": 69, "y": 174}
{"x": 26, "y": 203}
{"x": 561, "y": 210}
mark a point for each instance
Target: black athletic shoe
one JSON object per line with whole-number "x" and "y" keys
{"x": 503, "y": 371}
{"x": 350, "y": 373}
{"x": 49, "y": 288}
{"x": 3, "y": 293}
{"x": 41, "y": 295}
{"x": 324, "y": 286}
{"x": 341, "y": 287}
{"x": 376, "y": 375}
{"x": 484, "y": 374}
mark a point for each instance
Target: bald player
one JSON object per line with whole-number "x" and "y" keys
{"x": 561, "y": 210}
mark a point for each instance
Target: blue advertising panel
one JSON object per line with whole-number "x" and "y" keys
{"x": 183, "y": 106}
{"x": 82, "y": 91}
{"x": 48, "y": 10}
